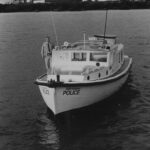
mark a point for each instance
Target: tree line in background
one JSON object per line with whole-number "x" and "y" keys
{"x": 75, "y": 5}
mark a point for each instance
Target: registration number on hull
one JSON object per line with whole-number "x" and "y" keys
{"x": 46, "y": 91}
{"x": 71, "y": 91}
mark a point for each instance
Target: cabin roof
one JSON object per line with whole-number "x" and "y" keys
{"x": 89, "y": 46}
{"x": 106, "y": 36}
{"x": 98, "y": 44}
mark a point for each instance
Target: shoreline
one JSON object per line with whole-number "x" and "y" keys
{"x": 82, "y": 6}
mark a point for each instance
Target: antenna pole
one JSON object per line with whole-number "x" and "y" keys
{"x": 105, "y": 24}
{"x": 84, "y": 39}
{"x": 54, "y": 28}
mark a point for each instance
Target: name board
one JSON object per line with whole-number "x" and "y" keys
{"x": 71, "y": 91}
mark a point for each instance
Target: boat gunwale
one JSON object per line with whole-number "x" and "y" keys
{"x": 89, "y": 83}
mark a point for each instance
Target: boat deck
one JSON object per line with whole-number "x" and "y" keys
{"x": 43, "y": 78}
{"x": 125, "y": 64}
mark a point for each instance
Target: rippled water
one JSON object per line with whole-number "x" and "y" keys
{"x": 122, "y": 122}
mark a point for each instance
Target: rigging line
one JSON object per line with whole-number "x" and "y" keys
{"x": 105, "y": 24}
{"x": 54, "y": 28}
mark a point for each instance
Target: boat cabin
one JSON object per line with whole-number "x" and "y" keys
{"x": 93, "y": 59}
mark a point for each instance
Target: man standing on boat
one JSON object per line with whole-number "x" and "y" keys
{"x": 46, "y": 53}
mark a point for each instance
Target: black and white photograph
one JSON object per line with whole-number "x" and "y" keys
{"x": 74, "y": 74}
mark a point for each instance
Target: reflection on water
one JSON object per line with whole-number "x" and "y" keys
{"x": 49, "y": 135}
{"x": 76, "y": 129}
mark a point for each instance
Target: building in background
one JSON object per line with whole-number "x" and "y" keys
{"x": 19, "y": 1}
{"x": 30, "y": 1}
{"x": 44, "y": 1}
{"x": 53, "y": 1}
{"x": 27, "y": 1}
{"x": 100, "y": 0}
{"x": 22, "y": 1}
{"x": 38, "y": 1}
{"x": 115, "y": 0}
{"x": 50, "y": 1}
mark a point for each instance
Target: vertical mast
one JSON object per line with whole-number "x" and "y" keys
{"x": 54, "y": 28}
{"x": 105, "y": 25}
{"x": 84, "y": 39}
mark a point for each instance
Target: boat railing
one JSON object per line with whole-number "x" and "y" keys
{"x": 88, "y": 45}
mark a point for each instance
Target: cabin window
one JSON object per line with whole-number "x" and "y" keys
{"x": 100, "y": 57}
{"x": 119, "y": 57}
{"x": 99, "y": 75}
{"x": 88, "y": 78}
{"x": 97, "y": 64}
{"x": 78, "y": 56}
{"x": 107, "y": 47}
{"x": 106, "y": 72}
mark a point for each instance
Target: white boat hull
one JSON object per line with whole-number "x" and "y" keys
{"x": 84, "y": 73}
{"x": 61, "y": 99}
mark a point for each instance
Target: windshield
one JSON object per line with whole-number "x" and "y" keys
{"x": 100, "y": 57}
{"x": 78, "y": 56}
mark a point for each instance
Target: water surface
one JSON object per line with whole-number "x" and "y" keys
{"x": 121, "y": 122}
